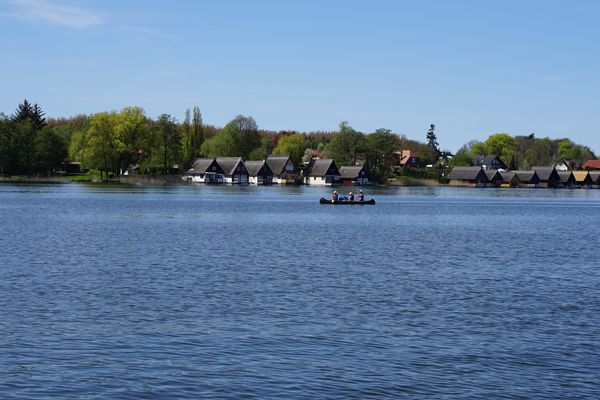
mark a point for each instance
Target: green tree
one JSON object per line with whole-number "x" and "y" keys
{"x": 539, "y": 152}
{"x": 381, "y": 146}
{"x": 169, "y": 141}
{"x": 77, "y": 146}
{"x": 5, "y": 144}
{"x": 27, "y": 111}
{"x": 433, "y": 143}
{"x": 262, "y": 152}
{"x": 294, "y": 145}
{"x": 131, "y": 129}
{"x": 196, "y": 131}
{"x": 501, "y": 144}
{"x": 479, "y": 149}
{"x": 344, "y": 145}
{"x": 50, "y": 149}
{"x": 103, "y": 145}
{"x": 187, "y": 148}
{"x": 462, "y": 158}
{"x": 237, "y": 139}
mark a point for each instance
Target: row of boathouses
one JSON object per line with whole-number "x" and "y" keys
{"x": 544, "y": 177}
{"x": 276, "y": 169}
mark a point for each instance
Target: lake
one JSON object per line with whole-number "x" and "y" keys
{"x": 183, "y": 291}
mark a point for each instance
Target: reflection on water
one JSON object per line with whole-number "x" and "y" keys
{"x": 216, "y": 291}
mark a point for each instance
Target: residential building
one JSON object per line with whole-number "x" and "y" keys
{"x": 488, "y": 162}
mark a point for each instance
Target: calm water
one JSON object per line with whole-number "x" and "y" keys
{"x": 245, "y": 292}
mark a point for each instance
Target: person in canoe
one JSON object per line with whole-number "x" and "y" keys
{"x": 350, "y": 196}
{"x": 361, "y": 195}
{"x": 334, "y": 197}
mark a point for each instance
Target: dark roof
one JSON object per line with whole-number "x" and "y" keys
{"x": 256, "y": 168}
{"x": 492, "y": 174}
{"x": 566, "y": 176}
{"x": 348, "y": 172}
{"x": 228, "y": 164}
{"x": 595, "y": 175}
{"x": 527, "y": 176}
{"x": 277, "y": 163}
{"x": 543, "y": 172}
{"x": 487, "y": 160}
{"x": 321, "y": 166}
{"x": 507, "y": 176}
{"x": 201, "y": 165}
{"x": 465, "y": 173}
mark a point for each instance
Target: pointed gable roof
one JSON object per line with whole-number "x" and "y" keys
{"x": 204, "y": 165}
{"x": 595, "y": 177}
{"x": 566, "y": 177}
{"x": 527, "y": 176}
{"x": 351, "y": 172}
{"x": 229, "y": 164}
{"x": 322, "y": 167}
{"x": 258, "y": 168}
{"x": 591, "y": 164}
{"x": 545, "y": 173}
{"x": 467, "y": 173}
{"x": 277, "y": 163}
{"x": 582, "y": 177}
{"x": 488, "y": 161}
{"x": 493, "y": 175}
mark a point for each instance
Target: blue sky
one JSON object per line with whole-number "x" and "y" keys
{"x": 471, "y": 67}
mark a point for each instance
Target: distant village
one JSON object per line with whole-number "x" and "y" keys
{"x": 276, "y": 169}
{"x": 491, "y": 171}
{"x": 487, "y": 171}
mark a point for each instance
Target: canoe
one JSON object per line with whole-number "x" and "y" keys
{"x": 347, "y": 202}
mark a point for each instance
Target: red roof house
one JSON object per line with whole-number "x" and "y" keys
{"x": 591, "y": 164}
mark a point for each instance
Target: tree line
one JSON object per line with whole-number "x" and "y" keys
{"x": 112, "y": 142}
{"x": 524, "y": 152}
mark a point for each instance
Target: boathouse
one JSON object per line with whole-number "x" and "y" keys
{"x": 234, "y": 169}
{"x": 468, "y": 176}
{"x": 354, "y": 175}
{"x": 283, "y": 168}
{"x": 527, "y": 179}
{"x": 488, "y": 162}
{"x": 548, "y": 176}
{"x": 567, "y": 180}
{"x": 595, "y": 177}
{"x": 322, "y": 172}
{"x": 259, "y": 173}
{"x": 494, "y": 179}
{"x": 205, "y": 170}
{"x": 582, "y": 179}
